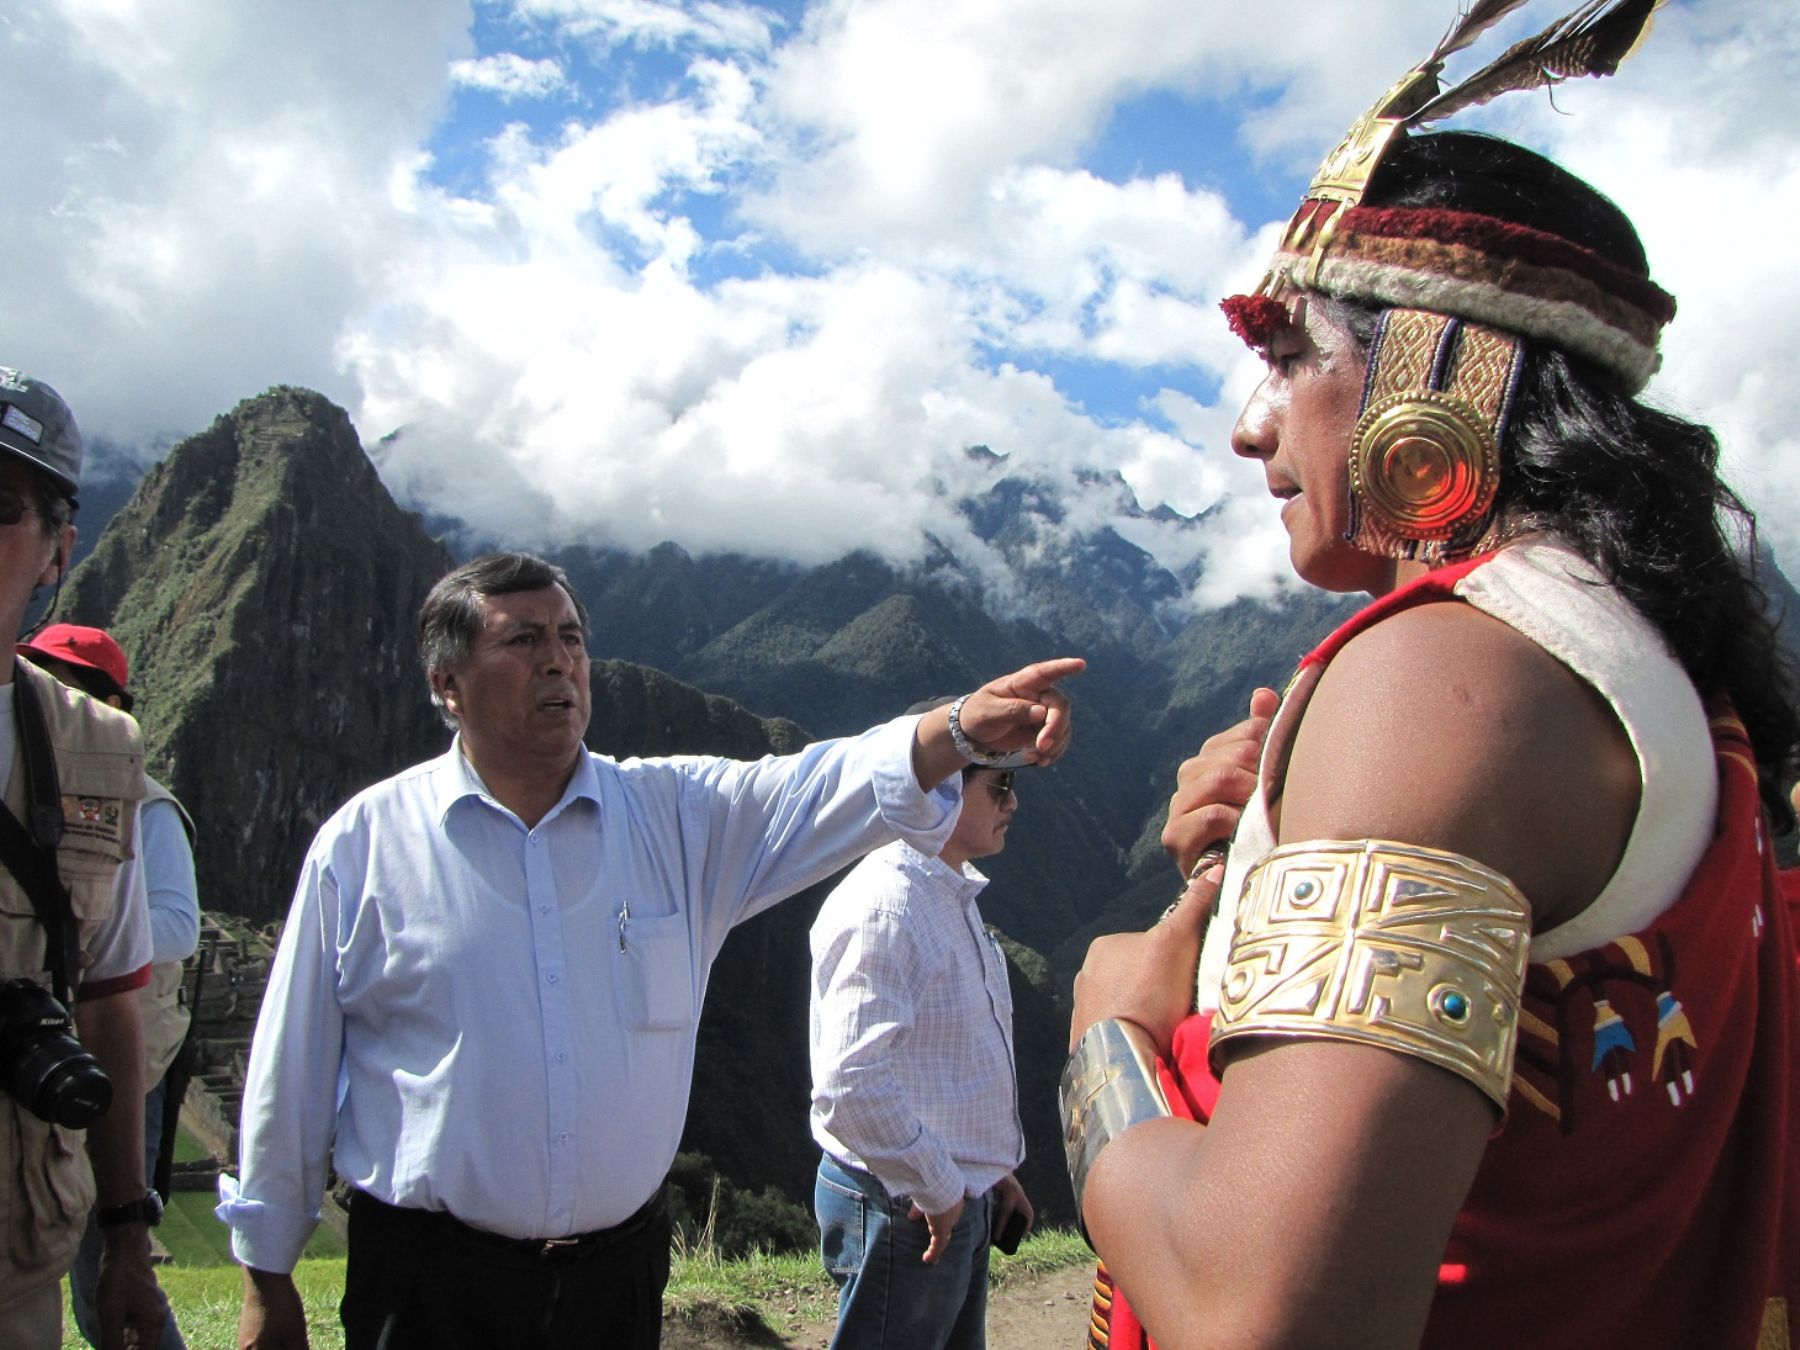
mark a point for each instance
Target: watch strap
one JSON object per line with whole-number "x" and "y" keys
{"x": 146, "y": 1209}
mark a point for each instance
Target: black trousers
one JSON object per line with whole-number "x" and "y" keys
{"x": 417, "y": 1280}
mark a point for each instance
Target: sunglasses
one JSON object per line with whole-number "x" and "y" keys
{"x": 14, "y": 507}
{"x": 1001, "y": 787}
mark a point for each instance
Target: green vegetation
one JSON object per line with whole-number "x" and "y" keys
{"x": 1041, "y": 1253}
{"x": 782, "y": 1290}
{"x": 777, "y": 1290}
{"x": 189, "y": 1149}
{"x": 196, "y": 1239}
{"x": 711, "y": 1213}
{"x": 203, "y": 1283}
{"x": 206, "y": 1301}
{"x": 193, "y": 1236}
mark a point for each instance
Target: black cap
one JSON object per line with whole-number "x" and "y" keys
{"x": 37, "y": 426}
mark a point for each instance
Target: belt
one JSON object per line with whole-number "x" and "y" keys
{"x": 577, "y": 1246}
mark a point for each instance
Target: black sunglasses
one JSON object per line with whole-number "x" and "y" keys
{"x": 14, "y": 507}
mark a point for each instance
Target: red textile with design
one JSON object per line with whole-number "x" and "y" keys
{"x": 1645, "y": 1189}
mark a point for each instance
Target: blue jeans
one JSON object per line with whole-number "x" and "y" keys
{"x": 888, "y": 1298}
{"x": 84, "y": 1278}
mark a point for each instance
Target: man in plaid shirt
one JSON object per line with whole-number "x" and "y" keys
{"x": 915, "y": 1102}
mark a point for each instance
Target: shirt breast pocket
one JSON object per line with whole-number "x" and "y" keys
{"x": 88, "y": 868}
{"x": 657, "y": 973}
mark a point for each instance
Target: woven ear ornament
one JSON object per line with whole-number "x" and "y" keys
{"x": 1425, "y": 454}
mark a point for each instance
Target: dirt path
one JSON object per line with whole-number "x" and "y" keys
{"x": 1049, "y": 1312}
{"x": 1040, "y": 1312}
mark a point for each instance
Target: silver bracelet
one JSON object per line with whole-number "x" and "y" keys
{"x": 1109, "y": 1085}
{"x": 1214, "y": 853}
{"x": 966, "y": 747}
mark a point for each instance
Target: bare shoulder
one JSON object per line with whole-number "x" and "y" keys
{"x": 1445, "y": 727}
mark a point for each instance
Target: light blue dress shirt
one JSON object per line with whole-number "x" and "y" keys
{"x": 500, "y": 1022}
{"x": 169, "y": 876}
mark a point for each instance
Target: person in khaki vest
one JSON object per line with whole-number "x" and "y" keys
{"x": 89, "y": 659}
{"x": 54, "y": 1174}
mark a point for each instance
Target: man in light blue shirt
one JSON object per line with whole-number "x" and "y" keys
{"x": 484, "y": 1005}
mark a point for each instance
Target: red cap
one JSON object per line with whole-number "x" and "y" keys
{"x": 93, "y": 648}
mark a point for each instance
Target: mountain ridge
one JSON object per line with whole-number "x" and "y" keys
{"x": 265, "y": 585}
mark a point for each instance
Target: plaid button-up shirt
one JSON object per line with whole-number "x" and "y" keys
{"x": 911, "y": 1031}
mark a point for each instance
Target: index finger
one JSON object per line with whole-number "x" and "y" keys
{"x": 1034, "y": 680}
{"x": 1059, "y": 725}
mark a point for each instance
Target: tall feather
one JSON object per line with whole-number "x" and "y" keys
{"x": 1591, "y": 40}
{"x": 1483, "y": 16}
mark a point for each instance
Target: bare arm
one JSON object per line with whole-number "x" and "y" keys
{"x": 1314, "y": 1208}
{"x": 127, "y": 1296}
{"x": 273, "y": 1318}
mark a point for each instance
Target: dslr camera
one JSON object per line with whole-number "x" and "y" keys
{"x": 42, "y": 1066}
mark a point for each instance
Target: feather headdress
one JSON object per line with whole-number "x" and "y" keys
{"x": 1475, "y": 267}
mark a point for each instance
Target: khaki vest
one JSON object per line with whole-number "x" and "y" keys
{"x": 48, "y": 1186}
{"x": 165, "y": 1015}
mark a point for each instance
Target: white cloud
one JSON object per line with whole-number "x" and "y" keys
{"x": 197, "y": 192}
{"x": 509, "y": 75}
{"x": 910, "y": 108}
{"x": 765, "y": 301}
{"x": 1690, "y": 140}
{"x": 664, "y": 23}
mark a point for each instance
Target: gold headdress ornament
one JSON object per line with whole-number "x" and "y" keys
{"x": 1426, "y": 452}
{"x": 1593, "y": 40}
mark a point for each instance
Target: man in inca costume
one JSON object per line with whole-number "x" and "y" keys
{"x": 1498, "y": 1028}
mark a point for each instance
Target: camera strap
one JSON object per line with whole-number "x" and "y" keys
{"x": 30, "y": 854}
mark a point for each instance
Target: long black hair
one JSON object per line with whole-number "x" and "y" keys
{"x": 1636, "y": 490}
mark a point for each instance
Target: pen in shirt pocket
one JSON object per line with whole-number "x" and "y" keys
{"x": 624, "y": 918}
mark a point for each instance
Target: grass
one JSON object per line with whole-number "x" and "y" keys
{"x": 196, "y": 1239}
{"x": 188, "y": 1148}
{"x": 204, "y": 1284}
{"x": 193, "y": 1236}
{"x": 782, "y": 1290}
{"x": 789, "y": 1288}
{"x": 206, "y": 1300}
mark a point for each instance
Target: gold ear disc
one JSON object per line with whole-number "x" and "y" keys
{"x": 1423, "y": 464}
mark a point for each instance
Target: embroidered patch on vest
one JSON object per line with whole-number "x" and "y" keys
{"x": 92, "y": 818}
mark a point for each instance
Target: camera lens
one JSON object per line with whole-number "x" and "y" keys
{"x": 42, "y": 1065}
{"x": 60, "y": 1081}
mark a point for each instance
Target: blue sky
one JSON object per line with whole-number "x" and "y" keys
{"x": 751, "y": 276}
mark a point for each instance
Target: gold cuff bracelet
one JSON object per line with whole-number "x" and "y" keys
{"x": 1415, "y": 950}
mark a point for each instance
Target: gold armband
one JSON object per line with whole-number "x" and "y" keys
{"x": 1109, "y": 1085}
{"x": 1412, "y": 949}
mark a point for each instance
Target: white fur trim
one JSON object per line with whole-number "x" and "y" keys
{"x": 1555, "y": 597}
